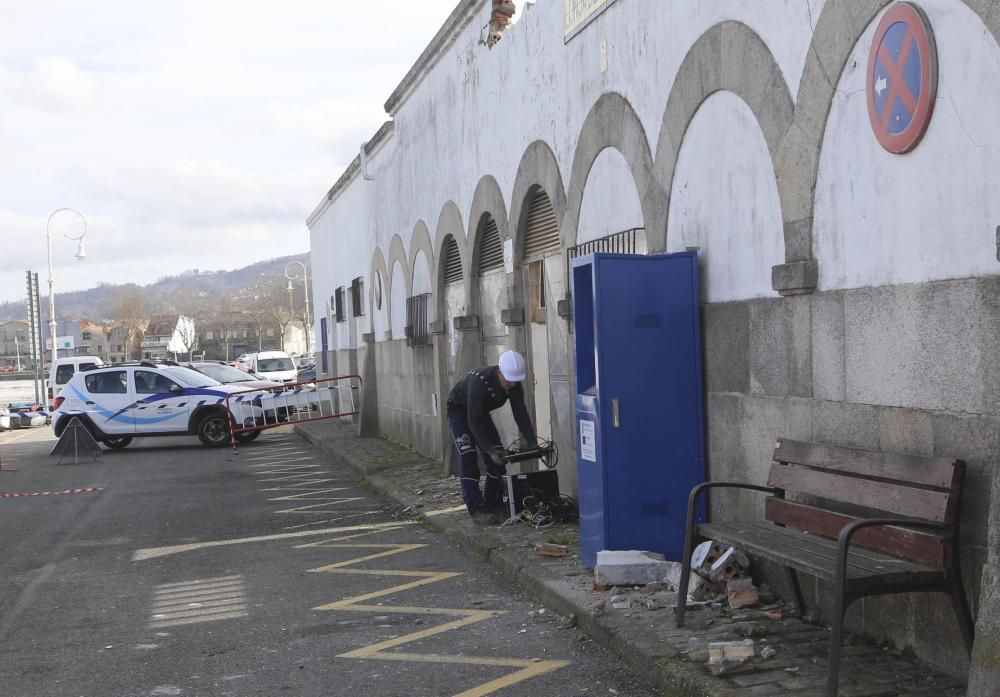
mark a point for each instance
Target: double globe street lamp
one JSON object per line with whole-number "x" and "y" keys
{"x": 305, "y": 288}
{"x": 81, "y": 254}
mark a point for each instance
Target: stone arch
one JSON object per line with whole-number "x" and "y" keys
{"x": 449, "y": 225}
{"x": 487, "y": 200}
{"x": 746, "y": 68}
{"x": 378, "y": 270}
{"x": 397, "y": 253}
{"x": 613, "y": 123}
{"x": 538, "y": 169}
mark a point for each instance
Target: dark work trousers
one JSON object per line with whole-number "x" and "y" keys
{"x": 468, "y": 449}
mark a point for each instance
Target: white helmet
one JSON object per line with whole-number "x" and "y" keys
{"x": 512, "y": 366}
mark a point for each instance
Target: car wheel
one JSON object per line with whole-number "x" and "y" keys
{"x": 118, "y": 443}
{"x": 213, "y": 430}
{"x": 247, "y": 436}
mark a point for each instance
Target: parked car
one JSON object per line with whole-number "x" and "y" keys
{"x": 8, "y": 369}
{"x": 307, "y": 374}
{"x": 131, "y": 400}
{"x": 272, "y": 365}
{"x": 228, "y": 375}
{"x": 63, "y": 369}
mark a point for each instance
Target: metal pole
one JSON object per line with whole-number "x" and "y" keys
{"x": 52, "y": 298}
{"x": 305, "y": 288}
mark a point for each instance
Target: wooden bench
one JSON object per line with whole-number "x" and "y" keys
{"x": 867, "y": 522}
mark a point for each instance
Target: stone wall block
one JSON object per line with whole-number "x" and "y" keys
{"x": 975, "y": 439}
{"x": 798, "y": 320}
{"x": 905, "y": 431}
{"x": 769, "y": 348}
{"x": 914, "y": 346}
{"x": 726, "y": 347}
{"x": 828, "y": 350}
{"x": 989, "y": 345}
{"x": 850, "y": 425}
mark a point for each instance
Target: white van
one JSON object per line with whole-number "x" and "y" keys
{"x": 273, "y": 365}
{"x": 64, "y": 368}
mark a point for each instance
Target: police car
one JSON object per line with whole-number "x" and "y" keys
{"x": 129, "y": 400}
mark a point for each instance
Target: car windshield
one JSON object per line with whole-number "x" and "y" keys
{"x": 225, "y": 373}
{"x": 271, "y": 365}
{"x": 191, "y": 378}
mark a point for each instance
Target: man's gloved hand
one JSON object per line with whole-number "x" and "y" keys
{"x": 496, "y": 466}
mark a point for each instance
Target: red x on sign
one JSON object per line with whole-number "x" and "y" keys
{"x": 902, "y": 78}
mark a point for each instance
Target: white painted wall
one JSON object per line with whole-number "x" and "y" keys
{"x": 397, "y": 302}
{"x": 380, "y": 315}
{"x": 727, "y": 203}
{"x": 931, "y": 214}
{"x": 610, "y": 200}
{"x": 516, "y": 89}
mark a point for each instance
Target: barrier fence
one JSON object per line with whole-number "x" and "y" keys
{"x": 253, "y": 411}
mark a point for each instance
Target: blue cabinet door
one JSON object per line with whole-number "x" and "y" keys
{"x": 650, "y": 388}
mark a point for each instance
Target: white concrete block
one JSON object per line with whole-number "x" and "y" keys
{"x": 635, "y": 568}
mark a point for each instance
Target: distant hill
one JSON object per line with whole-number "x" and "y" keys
{"x": 90, "y": 304}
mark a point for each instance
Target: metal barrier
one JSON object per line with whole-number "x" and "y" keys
{"x": 253, "y": 411}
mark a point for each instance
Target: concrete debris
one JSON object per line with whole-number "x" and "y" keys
{"x": 768, "y": 652}
{"x": 727, "y": 656}
{"x": 742, "y": 593}
{"x": 548, "y": 549}
{"x": 713, "y": 567}
{"x": 635, "y": 568}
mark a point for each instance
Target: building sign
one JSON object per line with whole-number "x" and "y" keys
{"x": 580, "y": 13}
{"x": 63, "y": 343}
{"x": 902, "y": 78}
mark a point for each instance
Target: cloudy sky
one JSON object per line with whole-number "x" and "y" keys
{"x": 189, "y": 133}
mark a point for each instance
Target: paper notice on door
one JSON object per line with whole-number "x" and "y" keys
{"x": 588, "y": 441}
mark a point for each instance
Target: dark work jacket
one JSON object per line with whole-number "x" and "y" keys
{"x": 479, "y": 393}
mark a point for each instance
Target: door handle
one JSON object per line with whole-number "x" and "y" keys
{"x": 616, "y": 421}
{"x": 90, "y": 404}
{"x": 140, "y": 401}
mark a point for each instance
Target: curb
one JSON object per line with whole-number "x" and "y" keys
{"x": 653, "y": 662}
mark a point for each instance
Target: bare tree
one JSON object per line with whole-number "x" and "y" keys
{"x": 127, "y": 310}
{"x": 188, "y": 334}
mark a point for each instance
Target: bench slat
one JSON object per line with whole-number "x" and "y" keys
{"x": 921, "y": 547}
{"x": 816, "y": 555}
{"x": 908, "y": 502}
{"x": 937, "y": 472}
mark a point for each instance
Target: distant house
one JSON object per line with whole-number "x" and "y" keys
{"x": 120, "y": 348}
{"x": 168, "y": 336}
{"x": 95, "y": 340}
{"x": 227, "y": 336}
{"x": 14, "y": 348}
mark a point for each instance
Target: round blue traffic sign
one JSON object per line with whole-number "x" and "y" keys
{"x": 902, "y": 78}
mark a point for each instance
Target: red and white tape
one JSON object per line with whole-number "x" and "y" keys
{"x": 11, "y": 495}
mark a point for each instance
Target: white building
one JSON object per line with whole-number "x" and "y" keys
{"x": 850, "y": 294}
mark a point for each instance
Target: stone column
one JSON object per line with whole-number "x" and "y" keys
{"x": 984, "y": 672}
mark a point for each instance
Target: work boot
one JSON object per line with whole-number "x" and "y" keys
{"x": 484, "y": 516}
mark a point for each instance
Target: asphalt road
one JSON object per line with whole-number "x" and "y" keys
{"x": 172, "y": 569}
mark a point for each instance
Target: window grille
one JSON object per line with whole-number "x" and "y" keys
{"x": 453, "y": 262}
{"x": 417, "y": 326}
{"x": 490, "y": 248}
{"x": 338, "y": 302}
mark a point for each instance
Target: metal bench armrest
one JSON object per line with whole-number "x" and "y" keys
{"x": 844, "y": 539}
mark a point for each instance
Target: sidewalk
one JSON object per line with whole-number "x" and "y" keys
{"x": 637, "y": 625}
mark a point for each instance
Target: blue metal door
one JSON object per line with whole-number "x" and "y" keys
{"x": 651, "y": 397}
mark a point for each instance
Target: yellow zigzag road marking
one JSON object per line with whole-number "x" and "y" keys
{"x": 528, "y": 668}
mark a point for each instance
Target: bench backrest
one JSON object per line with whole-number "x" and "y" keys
{"x": 897, "y": 486}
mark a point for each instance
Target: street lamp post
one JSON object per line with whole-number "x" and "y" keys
{"x": 305, "y": 288}
{"x": 81, "y": 254}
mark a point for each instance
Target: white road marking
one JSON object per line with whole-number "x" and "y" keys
{"x": 157, "y": 552}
